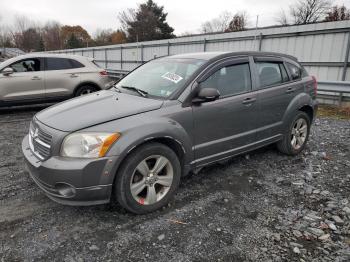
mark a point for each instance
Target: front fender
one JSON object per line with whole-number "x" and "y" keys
{"x": 148, "y": 130}
{"x": 138, "y": 129}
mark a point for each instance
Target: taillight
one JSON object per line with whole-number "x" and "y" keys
{"x": 315, "y": 84}
{"x": 103, "y": 73}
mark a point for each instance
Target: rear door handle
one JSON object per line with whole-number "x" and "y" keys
{"x": 249, "y": 101}
{"x": 36, "y": 78}
{"x": 290, "y": 90}
{"x": 73, "y": 75}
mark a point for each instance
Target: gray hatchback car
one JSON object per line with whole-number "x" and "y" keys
{"x": 168, "y": 117}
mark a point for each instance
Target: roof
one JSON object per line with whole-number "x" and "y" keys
{"x": 200, "y": 55}
{"x": 32, "y": 55}
{"x": 213, "y": 55}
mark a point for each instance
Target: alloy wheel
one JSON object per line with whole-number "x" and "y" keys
{"x": 151, "y": 179}
{"x": 86, "y": 92}
{"x": 299, "y": 133}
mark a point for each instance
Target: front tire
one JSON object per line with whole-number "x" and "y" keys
{"x": 148, "y": 178}
{"x": 85, "y": 90}
{"x": 295, "y": 139}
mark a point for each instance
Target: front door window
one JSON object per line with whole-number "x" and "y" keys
{"x": 28, "y": 65}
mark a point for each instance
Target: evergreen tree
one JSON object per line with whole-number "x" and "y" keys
{"x": 73, "y": 42}
{"x": 41, "y": 45}
{"x": 146, "y": 23}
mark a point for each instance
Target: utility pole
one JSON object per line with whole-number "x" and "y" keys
{"x": 256, "y": 29}
{"x": 137, "y": 49}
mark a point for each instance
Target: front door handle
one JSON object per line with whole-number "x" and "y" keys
{"x": 290, "y": 90}
{"x": 36, "y": 78}
{"x": 73, "y": 75}
{"x": 249, "y": 101}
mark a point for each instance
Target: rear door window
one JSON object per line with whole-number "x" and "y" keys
{"x": 58, "y": 64}
{"x": 271, "y": 73}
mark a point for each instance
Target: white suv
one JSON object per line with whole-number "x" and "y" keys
{"x": 37, "y": 78}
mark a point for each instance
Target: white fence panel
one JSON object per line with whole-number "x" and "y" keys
{"x": 321, "y": 47}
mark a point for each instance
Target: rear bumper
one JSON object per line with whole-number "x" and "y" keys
{"x": 71, "y": 181}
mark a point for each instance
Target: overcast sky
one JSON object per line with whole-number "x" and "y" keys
{"x": 183, "y": 15}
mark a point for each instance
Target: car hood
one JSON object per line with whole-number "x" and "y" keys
{"x": 90, "y": 110}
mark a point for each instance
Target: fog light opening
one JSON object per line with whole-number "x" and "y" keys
{"x": 65, "y": 190}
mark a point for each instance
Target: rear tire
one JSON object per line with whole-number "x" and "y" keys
{"x": 295, "y": 138}
{"x": 85, "y": 90}
{"x": 148, "y": 178}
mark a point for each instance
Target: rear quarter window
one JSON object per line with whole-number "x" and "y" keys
{"x": 296, "y": 72}
{"x": 76, "y": 64}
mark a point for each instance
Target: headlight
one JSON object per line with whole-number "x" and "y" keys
{"x": 88, "y": 145}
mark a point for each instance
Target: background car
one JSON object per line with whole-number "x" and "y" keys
{"x": 49, "y": 77}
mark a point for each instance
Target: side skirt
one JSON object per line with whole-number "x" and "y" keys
{"x": 199, "y": 163}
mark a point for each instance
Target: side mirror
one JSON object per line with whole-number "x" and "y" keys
{"x": 7, "y": 71}
{"x": 206, "y": 95}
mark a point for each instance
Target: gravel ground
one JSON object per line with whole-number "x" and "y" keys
{"x": 259, "y": 207}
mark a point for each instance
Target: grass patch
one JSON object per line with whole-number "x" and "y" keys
{"x": 333, "y": 112}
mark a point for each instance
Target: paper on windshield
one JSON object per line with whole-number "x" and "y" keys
{"x": 172, "y": 77}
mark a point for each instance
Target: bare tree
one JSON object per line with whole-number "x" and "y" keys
{"x": 1, "y": 33}
{"x": 5, "y": 36}
{"x": 21, "y": 24}
{"x": 338, "y": 13}
{"x": 218, "y": 24}
{"x": 51, "y": 34}
{"x": 126, "y": 17}
{"x": 304, "y": 12}
{"x": 309, "y": 11}
{"x": 239, "y": 22}
{"x": 186, "y": 33}
{"x": 2, "y": 44}
{"x": 32, "y": 40}
{"x": 282, "y": 18}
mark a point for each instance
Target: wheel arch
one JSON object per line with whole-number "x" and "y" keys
{"x": 308, "y": 110}
{"x": 86, "y": 83}
{"x": 302, "y": 102}
{"x": 169, "y": 141}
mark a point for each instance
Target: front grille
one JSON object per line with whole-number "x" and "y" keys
{"x": 39, "y": 142}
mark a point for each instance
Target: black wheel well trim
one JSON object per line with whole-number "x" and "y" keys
{"x": 308, "y": 109}
{"x": 163, "y": 140}
{"x": 298, "y": 102}
{"x": 169, "y": 141}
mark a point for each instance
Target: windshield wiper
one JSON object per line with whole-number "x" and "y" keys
{"x": 140, "y": 91}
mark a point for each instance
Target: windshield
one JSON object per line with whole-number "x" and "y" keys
{"x": 161, "y": 77}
